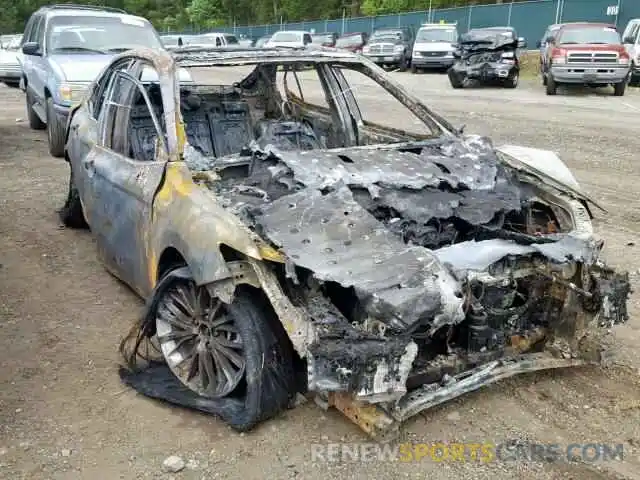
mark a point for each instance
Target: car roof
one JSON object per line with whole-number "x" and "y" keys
{"x": 495, "y": 28}
{"x": 91, "y": 13}
{"x": 191, "y": 56}
{"x": 81, "y": 10}
{"x": 438, "y": 25}
{"x": 586, "y": 24}
{"x": 292, "y": 31}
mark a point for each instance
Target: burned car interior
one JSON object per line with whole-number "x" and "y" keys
{"x": 421, "y": 266}
{"x": 221, "y": 120}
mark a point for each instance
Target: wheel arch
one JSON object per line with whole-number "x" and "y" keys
{"x": 206, "y": 266}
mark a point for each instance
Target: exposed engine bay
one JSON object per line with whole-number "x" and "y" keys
{"x": 409, "y": 263}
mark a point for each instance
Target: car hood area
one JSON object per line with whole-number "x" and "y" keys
{"x": 79, "y": 68}
{"x": 404, "y": 229}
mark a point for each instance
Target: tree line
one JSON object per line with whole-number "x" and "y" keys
{"x": 179, "y": 15}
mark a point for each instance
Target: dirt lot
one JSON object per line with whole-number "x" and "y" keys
{"x": 64, "y": 413}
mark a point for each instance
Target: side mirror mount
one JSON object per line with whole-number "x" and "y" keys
{"x": 31, "y": 48}
{"x": 538, "y": 44}
{"x": 550, "y": 40}
{"x": 630, "y": 40}
{"x": 522, "y": 43}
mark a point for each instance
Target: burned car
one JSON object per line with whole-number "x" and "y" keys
{"x": 290, "y": 236}
{"x": 489, "y": 56}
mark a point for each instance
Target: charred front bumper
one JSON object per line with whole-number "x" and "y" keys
{"x": 381, "y": 380}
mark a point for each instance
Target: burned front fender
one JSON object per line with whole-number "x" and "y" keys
{"x": 187, "y": 218}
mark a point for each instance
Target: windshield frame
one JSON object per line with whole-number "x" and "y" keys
{"x": 584, "y": 28}
{"x": 450, "y": 30}
{"x": 74, "y": 22}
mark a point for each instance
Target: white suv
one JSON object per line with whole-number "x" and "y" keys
{"x": 434, "y": 46}
{"x": 631, "y": 41}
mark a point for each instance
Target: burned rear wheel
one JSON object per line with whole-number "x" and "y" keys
{"x": 200, "y": 341}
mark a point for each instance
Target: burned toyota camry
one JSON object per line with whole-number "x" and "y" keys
{"x": 489, "y": 56}
{"x": 300, "y": 223}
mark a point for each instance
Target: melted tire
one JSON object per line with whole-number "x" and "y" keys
{"x": 270, "y": 380}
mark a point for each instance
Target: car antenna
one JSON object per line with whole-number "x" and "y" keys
{"x": 461, "y": 129}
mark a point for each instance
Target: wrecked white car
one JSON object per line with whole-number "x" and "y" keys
{"x": 298, "y": 222}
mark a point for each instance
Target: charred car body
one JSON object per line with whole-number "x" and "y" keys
{"x": 285, "y": 244}
{"x": 487, "y": 55}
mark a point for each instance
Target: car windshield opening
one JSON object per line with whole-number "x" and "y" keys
{"x": 387, "y": 36}
{"x": 589, "y": 35}
{"x": 99, "y": 34}
{"x": 436, "y": 35}
{"x": 231, "y": 40}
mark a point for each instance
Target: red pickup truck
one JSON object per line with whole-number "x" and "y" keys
{"x": 585, "y": 53}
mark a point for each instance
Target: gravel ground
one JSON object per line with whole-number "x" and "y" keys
{"x": 65, "y": 415}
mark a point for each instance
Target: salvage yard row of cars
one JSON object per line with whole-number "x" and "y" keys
{"x": 289, "y": 239}
{"x": 572, "y": 53}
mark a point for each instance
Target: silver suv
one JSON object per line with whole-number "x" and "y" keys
{"x": 64, "y": 49}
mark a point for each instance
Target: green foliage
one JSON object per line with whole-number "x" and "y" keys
{"x": 206, "y": 14}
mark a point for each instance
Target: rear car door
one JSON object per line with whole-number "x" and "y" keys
{"x": 124, "y": 171}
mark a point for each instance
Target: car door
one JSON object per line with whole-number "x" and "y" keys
{"x": 631, "y": 38}
{"x": 29, "y": 60}
{"x": 83, "y": 132}
{"x": 546, "y": 48}
{"x": 124, "y": 170}
{"x": 39, "y": 72}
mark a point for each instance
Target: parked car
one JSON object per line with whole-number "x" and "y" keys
{"x": 7, "y": 40}
{"x": 489, "y": 56}
{"x": 631, "y": 41}
{"x": 586, "y": 54}
{"x": 10, "y": 54}
{"x": 245, "y": 41}
{"x": 217, "y": 39}
{"x": 289, "y": 38}
{"x": 261, "y": 42}
{"x": 64, "y": 48}
{"x": 434, "y": 46}
{"x": 307, "y": 236}
{"x": 543, "y": 44}
{"x": 325, "y": 39}
{"x": 390, "y": 47}
{"x": 352, "y": 42}
{"x": 173, "y": 41}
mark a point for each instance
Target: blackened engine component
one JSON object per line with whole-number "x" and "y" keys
{"x": 481, "y": 336}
